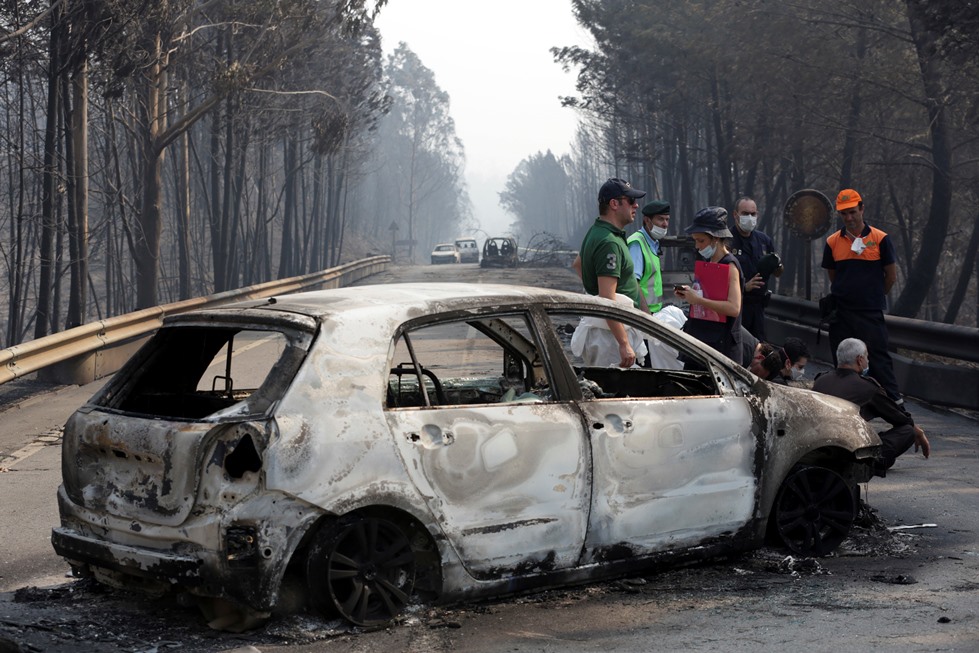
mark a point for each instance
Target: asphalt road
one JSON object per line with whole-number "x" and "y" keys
{"x": 915, "y": 588}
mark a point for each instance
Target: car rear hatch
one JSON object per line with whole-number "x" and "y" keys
{"x": 198, "y": 393}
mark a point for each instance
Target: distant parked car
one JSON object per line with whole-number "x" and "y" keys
{"x": 430, "y": 443}
{"x": 500, "y": 252}
{"x": 468, "y": 250}
{"x": 445, "y": 253}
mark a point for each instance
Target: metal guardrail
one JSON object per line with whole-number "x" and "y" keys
{"x": 948, "y": 340}
{"x": 87, "y": 348}
{"x": 939, "y": 383}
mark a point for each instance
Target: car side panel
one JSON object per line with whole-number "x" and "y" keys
{"x": 508, "y": 483}
{"x": 669, "y": 472}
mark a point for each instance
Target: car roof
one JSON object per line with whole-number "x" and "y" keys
{"x": 405, "y": 300}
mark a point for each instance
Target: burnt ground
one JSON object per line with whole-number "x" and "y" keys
{"x": 81, "y": 615}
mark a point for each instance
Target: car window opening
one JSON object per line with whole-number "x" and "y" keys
{"x": 196, "y": 372}
{"x": 592, "y": 352}
{"x": 482, "y": 361}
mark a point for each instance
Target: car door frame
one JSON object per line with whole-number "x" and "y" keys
{"x": 498, "y": 530}
{"x": 618, "y": 529}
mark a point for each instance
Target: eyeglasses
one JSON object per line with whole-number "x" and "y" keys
{"x": 631, "y": 201}
{"x": 771, "y": 358}
{"x": 779, "y": 355}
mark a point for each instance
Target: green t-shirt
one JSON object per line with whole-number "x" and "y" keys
{"x": 604, "y": 253}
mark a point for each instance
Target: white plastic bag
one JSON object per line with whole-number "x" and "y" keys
{"x": 596, "y": 346}
{"x": 661, "y": 355}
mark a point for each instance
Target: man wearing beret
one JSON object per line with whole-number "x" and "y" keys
{"x": 861, "y": 264}
{"x": 645, "y": 249}
{"x": 604, "y": 263}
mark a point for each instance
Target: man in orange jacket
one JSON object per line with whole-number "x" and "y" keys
{"x": 861, "y": 263}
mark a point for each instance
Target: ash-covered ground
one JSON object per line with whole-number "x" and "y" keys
{"x": 82, "y": 615}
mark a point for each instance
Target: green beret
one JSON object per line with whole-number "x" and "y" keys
{"x": 656, "y": 207}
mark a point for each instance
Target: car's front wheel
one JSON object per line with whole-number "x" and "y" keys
{"x": 362, "y": 568}
{"x": 814, "y": 510}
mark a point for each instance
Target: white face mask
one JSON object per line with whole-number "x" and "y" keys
{"x": 798, "y": 373}
{"x": 857, "y": 247}
{"x": 707, "y": 252}
{"x": 657, "y": 232}
{"x": 748, "y": 222}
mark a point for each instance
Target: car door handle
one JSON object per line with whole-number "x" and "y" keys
{"x": 432, "y": 437}
{"x": 615, "y": 424}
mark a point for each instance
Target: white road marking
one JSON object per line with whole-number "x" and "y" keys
{"x": 48, "y": 439}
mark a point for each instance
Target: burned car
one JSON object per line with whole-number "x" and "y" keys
{"x": 431, "y": 443}
{"x": 500, "y": 252}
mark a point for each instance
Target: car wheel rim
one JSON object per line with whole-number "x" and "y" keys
{"x": 814, "y": 511}
{"x": 370, "y": 572}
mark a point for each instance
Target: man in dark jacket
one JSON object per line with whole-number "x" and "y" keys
{"x": 849, "y": 381}
{"x": 750, "y": 246}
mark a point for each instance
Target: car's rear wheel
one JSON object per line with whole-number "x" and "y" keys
{"x": 814, "y": 510}
{"x": 362, "y": 568}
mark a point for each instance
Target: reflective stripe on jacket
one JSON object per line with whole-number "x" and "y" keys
{"x": 649, "y": 271}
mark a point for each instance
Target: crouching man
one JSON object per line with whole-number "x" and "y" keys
{"x": 850, "y": 381}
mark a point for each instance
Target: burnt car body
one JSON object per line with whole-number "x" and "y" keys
{"x": 500, "y": 252}
{"x": 433, "y": 443}
{"x": 445, "y": 253}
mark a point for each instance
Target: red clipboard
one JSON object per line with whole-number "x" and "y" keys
{"x": 713, "y": 281}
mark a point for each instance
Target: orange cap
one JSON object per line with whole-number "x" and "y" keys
{"x": 847, "y": 199}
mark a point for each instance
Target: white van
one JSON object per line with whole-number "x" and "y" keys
{"x": 468, "y": 250}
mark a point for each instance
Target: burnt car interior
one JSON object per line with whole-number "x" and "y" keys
{"x": 476, "y": 361}
{"x": 602, "y": 378}
{"x": 647, "y": 383}
{"x": 500, "y": 251}
{"x": 495, "y": 360}
{"x": 196, "y": 371}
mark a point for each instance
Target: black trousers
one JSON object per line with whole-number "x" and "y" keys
{"x": 868, "y": 326}
{"x": 753, "y": 316}
{"x": 895, "y": 442}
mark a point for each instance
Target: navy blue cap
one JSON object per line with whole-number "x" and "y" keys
{"x": 616, "y": 187}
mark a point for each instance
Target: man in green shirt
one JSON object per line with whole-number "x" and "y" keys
{"x": 604, "y": 263}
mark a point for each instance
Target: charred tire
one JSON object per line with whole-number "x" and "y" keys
{"x": 814, "y": 510}
{"x": 361, "y": 568}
